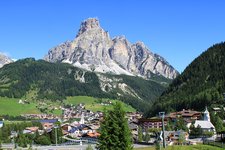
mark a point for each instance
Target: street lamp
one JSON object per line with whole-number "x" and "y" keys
{"x": 162, "y": 115}
{"x": 56, "y": 126}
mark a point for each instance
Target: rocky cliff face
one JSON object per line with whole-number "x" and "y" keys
{"x": 94, "y": 50}
{"x": 4, "y": 60}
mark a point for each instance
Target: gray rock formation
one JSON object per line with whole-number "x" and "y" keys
{"x": 4, "y": 60}
{"x": 94, "y": 50}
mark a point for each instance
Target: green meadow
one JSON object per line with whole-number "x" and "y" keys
{"x": 94, "y": 104}
{"x": 181, "y": 147}
{"x": 10, "y": 106}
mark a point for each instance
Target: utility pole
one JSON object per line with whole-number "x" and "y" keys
{"x": 162, "y": 115}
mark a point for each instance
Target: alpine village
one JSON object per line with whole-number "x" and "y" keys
{"x": 98, "y": 92}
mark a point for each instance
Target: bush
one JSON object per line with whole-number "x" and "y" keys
{"x": 89, "y": 147}
{"x": 43, "y": 140}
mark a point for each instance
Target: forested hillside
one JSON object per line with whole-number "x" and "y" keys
{"x": 201, "y": 84}
{"x": 42, "y": 80}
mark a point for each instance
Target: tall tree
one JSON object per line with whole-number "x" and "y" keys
{"x": 115, "y": 133}
{"x": 217, "y": 122}
{"x": 180, "y": 124}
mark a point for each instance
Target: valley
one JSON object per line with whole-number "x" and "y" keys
{"x": 17, "y": 107}
{"x": 96, "y": 87}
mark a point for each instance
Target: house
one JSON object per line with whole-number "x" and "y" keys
{"x": 153, "y": 122}
{"x": 218, "y": 109}
{"x": 133, "y": 116}
{"x": 205, "y": 124}
{"x": 93, "y": 134}
{"x": 188, "y": 115}
{"x": 74, "y": 132}
{"x": 85, "y": 128}
{"x": 30, "y": 130}
{"x": 47, "y": 125}
{"x": 134, "y": 130}
{"x": 172, "y": 137}
{"x": 48, "y": 121}
{"x": 65, "y": 127}
{"x": 1, "y": 124}
{"x": 79, "y": 130}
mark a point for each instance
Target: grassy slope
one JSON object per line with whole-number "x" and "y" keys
{"x": 12, "y": 107}
{"x": 30, "y": 79}
{"x": 192, "y": 147}
{"x": 93, "y": 104}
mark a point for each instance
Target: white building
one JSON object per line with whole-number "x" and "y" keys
{"x": 205, "y": 124}
{"x": 1, "y": 124}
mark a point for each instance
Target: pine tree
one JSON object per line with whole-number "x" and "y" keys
{"x": 115, "y": 133}
{"x": 217, "y": 122}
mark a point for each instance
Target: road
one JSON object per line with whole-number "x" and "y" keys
{"x": 62, "y": 147}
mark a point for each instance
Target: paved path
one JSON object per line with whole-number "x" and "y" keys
{"x": 63, "y": 147}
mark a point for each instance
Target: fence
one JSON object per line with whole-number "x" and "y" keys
{"x": 214, "y": 143}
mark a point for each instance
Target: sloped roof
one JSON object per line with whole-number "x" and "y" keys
{"x": 80, "y": 127}
{"x": 48, "y": 120}
{"x": 32, "y": 129}
{"x": 204, "y": 124}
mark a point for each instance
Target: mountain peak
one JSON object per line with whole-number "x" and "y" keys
{"x": 4, "y": 59}
{"x": 89, "y": 24}
{"x": 94, "y": 50}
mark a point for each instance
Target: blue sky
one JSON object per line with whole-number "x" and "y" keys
{"x": 177, "y": 30}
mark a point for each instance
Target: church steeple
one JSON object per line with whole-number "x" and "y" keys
{"x": 206, "y": 115}
{"x": 82, "y": 118}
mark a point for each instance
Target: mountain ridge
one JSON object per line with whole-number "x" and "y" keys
{"x": 56, "y": 81}
{"x": 94, "y": 50}
{"x": 201, "y": 84}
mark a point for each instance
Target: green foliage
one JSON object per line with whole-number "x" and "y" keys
{"x": 181, "y": 138}
{"x": 157, "y": 145}
{"x": 140, "y": 134}
{"x": 42, "y": 80}
{"x": 89, "y": 147}
{"x": 195, "y": 131}
{"x": 201, "y": 84}
{"x": 183, "y": 147}
{"x": 208, "y": 133}
{"x": 180, "y": 124}
{"x": 169, "y": 126}
{"x": 8, "y": 105}
{"x": 43, "y": 140}
{"x": 115, "y": 133}
{"x": 146, "y": 137}
{"x": 58, "y": 132}
{"x": 18, "y": 127}
{"x": 146, "y": 89}
{"x": 94, "y": 104}
{"x": 217, "y": 122}
{"x": 22, "y": 140}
